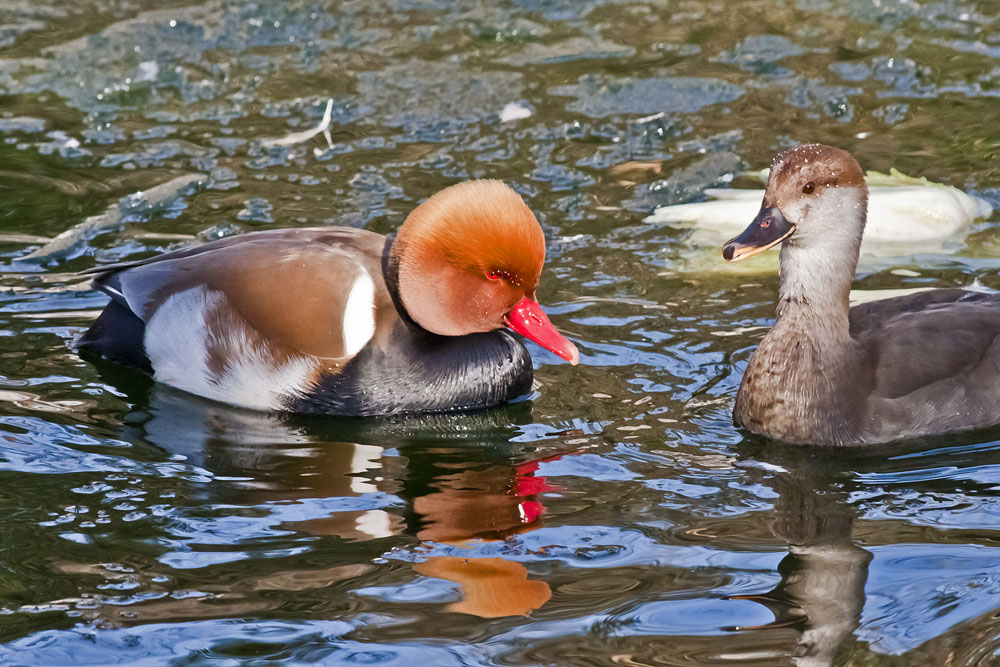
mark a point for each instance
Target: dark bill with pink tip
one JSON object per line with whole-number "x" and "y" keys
{"x": 528, "y": 319}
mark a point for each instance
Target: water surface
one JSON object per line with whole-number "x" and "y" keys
{"x": 615, "y": 517}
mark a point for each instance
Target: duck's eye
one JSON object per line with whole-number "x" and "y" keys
{"x": 493, "y": 275}
{"x": 808, "y": 188}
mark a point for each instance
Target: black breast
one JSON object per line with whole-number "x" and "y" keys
{"x": 423, "y": 372}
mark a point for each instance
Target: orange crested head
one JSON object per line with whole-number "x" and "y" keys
{"x": 468, "y": 257}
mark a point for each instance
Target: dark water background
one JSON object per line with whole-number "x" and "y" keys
{"x": 617, "y": 517}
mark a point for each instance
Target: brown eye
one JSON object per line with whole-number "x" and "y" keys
{"x": 808, "y": 188}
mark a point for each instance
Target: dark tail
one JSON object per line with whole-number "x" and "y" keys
{"x": 117, "y": 335}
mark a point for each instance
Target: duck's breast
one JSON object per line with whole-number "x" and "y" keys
{"x": 412, "y": 370}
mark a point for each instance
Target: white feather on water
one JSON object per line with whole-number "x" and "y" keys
{"x": 906, "y": 215}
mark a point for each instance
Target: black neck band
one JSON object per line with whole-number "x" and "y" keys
{"x": 390, "y": 271}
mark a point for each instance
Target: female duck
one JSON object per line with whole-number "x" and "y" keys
{"x": 343, "y": 321}
{"x": 828, "y": 374}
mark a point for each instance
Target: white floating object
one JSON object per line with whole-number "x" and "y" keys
{"x": 859, "y": 296}
{"x": 148, "y": 71}
{"x": 906, "y": 215}
{"x": 305, "y": 135}
{"x": 514, "y": 111}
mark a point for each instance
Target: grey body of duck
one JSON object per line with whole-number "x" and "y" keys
{"x": 828, "y": 374}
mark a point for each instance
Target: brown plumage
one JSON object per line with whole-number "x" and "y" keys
{"x": 829, "y": 374}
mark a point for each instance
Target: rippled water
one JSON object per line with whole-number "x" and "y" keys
{"x": 616, "y": 517}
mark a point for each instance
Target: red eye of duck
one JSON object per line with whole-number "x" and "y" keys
{"x": 493, "y": 275}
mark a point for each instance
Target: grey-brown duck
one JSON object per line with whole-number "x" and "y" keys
{"x": 829, "y": 374}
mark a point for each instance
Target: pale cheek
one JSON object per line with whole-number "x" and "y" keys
{"x": 796, "y": 210}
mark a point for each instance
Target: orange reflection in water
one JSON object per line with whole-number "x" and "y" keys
{"x": 490, "y": 503}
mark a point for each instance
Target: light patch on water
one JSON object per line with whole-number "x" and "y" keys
{"x": 514, "y": 111}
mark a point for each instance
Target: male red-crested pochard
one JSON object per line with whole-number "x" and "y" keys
{"x": 343, "y": 321}
{"x": 828, "y": 374}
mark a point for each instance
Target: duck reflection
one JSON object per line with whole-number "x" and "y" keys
{"x": 822, "y": 589}
{"x": 262, "y": 459}
{"x": 489, "y": 503}
{"x": 460, "y": 478}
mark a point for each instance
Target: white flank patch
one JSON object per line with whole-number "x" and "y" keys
{"x": 359, "y": 314}
{"x": 177, "y": 340}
